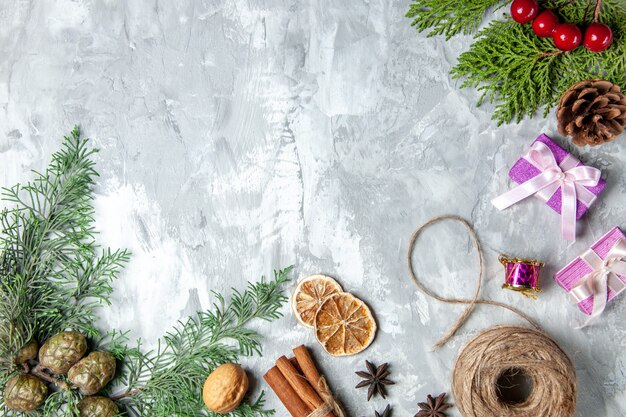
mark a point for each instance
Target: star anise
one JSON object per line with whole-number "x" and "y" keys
{"x": 385, "y": 413}
{"x": 376, "y": 378}
{"x": 433, "y": 407}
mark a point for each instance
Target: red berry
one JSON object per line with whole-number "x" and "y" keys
{"x": 567, "y": 36}
{"x": 524, "y": 11}
{"x": 598, "y": 37}
{"x": 545, "y": 23}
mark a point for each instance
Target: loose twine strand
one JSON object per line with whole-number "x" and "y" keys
{"x": 471, "y": 303}
{"x": 501, "y": 349}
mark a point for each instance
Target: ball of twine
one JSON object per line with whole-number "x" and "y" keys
{"x": 511, "y": 349}
{"x": 502, "y": 351}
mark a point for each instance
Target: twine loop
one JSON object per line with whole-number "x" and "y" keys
{"x": 472, "y": 302}
{"x": 501, "y": 349}
{"x": 330, "y": 404}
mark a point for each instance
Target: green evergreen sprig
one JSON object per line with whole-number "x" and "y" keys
{"x": 52, "y": 273}
{"x": 450, "y": 17}
{"x": 54, "y": 277}
{"x": 515, "y": 69}
{"x": 168, "y": 380}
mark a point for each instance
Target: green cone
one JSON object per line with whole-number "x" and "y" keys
{"x": 93, "y": 372}
{"x": 27, "y": 353}
{"x": 97, "y": 407}
{"x": 25, "y": 393}
{"x": 61, "y": 351}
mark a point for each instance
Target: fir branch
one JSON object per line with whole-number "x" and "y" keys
{"x": 168, "y": 380}
{"x": 51, "y": 277}
{"x": 515, "y": 69}
{"x": 450, "y": 17}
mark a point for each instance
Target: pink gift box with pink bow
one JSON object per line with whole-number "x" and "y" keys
{"x": 598, "y": 275}
{"x": 553, "y": 175}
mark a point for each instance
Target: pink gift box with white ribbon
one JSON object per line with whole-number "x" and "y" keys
{"x": 598, "y": 275}
{"x": 553, "y": 175}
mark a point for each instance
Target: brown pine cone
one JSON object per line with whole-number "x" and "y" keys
{"x": 61, "y": 351}
{"x": 592, "y": 112}
{"x": 93, "y": 372}
{"x": 25, "y": 393}
{"x": 97, "y": 407}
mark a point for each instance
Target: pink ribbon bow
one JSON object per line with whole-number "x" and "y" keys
{"x": 603, "y": 278}
{"x": 571, "y": 178}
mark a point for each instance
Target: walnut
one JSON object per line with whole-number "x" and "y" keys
{"x": 225, "y": 388}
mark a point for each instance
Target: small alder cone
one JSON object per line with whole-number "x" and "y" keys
{"x": 25, "y": 393}
{"x": 225, "y": 388}
{"x": 93, "y": 372}
{"x": 97, "y": 407}
{"x": 27, "y": 353}
{"x": 592, "y": 112}
{"x": 59, "y": 353}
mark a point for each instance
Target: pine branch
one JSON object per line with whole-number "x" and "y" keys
{"x": 51, "y": 277}
{"x": 450, "y": 17}
{"x": 515, "y": 69}
{"x": 168, "y": 381}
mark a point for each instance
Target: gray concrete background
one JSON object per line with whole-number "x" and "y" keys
{"x": 241, "y": 136}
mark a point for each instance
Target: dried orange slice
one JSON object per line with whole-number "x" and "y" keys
{"x": 344, "y": 325}
{"x": 310, "y": 293}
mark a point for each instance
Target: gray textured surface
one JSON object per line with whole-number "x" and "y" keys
{"x": 240, "y": 136}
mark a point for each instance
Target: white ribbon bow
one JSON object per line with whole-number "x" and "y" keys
{"x": 571, "y": 178}
{"x": 603, "y": 278}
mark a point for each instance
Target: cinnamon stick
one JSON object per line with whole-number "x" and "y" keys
{"x": 285, "y": 393}
{"x": 300, "y": 385}
{"x": 294, "y": 362}
{"x": 303, "y": 356}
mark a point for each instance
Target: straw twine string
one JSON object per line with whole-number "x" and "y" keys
{"x": 501, "y": 349}
{"x": 329, "y": 404}
{"x": 513, "y": 349}
{"x": 471, "y": 303}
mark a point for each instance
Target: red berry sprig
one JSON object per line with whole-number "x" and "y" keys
{"x": 566, "y": 36}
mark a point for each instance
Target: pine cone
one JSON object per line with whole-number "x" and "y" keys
{"x": 592, "y": 112}
{"x": 61, "y": 351}
{"x": 25, "y": 393}
{"x": 93, "y": 372}
{"x": 27, "y": 353}
{"x": 97, "y": 407}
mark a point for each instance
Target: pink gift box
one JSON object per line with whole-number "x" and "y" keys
{"x": 576, "y": 270}
{"x": 523, "y": 171}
